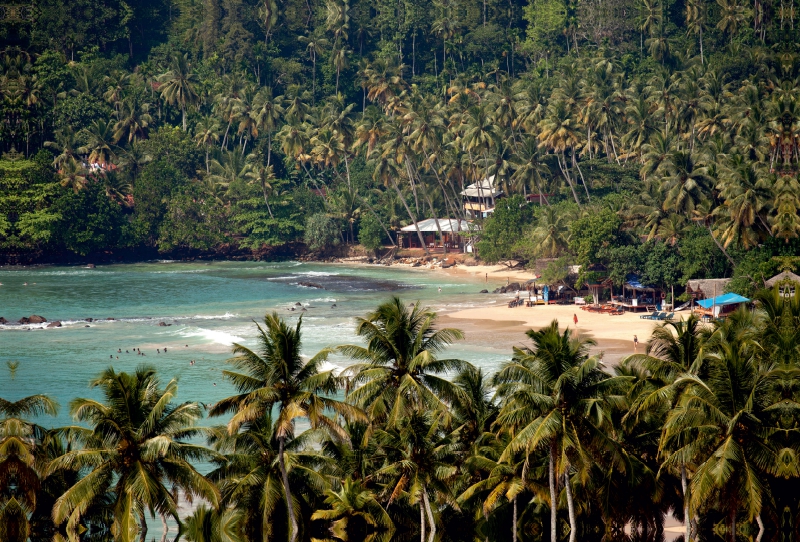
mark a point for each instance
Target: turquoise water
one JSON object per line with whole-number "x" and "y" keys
{"x": 208, "y": 306}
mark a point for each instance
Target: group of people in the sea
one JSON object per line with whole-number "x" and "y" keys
{"x": 302, "y": 308}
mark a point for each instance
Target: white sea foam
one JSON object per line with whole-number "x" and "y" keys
{"x": 212, "y": 335}
{"x": 317, "y": 274}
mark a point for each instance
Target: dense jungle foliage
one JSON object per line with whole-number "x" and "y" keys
{"x": 659, "y": 133}
{"x": 407, "y": 443}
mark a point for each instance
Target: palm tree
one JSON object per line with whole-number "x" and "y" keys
{"x": 719, "y": 422}
{"x": 275, "y": 376}
{"x": 556, "y": 396}
{"x": 99, "y": 142}
{"x": 353, "y": 501}
{"x": 73, "y": 175}
{"x": 399, "y": 365}
{"x": 20, "y": 441}
{"x": 419, "y": 459}
{"x": 178, "y": 85}
{"x": 262, "y": 175}
{"x": 206, "y": 133}
{"x": 314, "y": 46}
{"x": 250, "y": 477}
{"x": 560, "y": 133}
{"x": 136, "y": 448}
{"x": 675, "y": 350}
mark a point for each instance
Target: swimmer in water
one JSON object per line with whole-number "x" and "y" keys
{"x": 165, "y": 349}
{"x": 119, "y": 350}
{"x": 25, "y": 284}
{"x": 127, "y": 352}
{"x": 187, "y": 346}
{"x": 440, "y": 289}
{"x": 158, "y": 351}
{"x": 111, "y": 356}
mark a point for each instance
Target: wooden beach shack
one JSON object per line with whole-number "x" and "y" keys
{"x": 719, "y": 306}
{"x": 452, "y": 231}
{"x": 636, "y": 295}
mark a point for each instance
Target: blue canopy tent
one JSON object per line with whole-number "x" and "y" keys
{"x": 722, "y": 300}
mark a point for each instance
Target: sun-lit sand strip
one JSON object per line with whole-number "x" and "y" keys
{"x": 614, "y": 334}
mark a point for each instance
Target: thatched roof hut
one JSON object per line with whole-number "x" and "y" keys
{"x": 706, "y": 288}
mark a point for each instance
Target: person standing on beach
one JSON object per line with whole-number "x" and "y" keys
{"x": 575, "y": 318}
{"x": 635, "y": 343}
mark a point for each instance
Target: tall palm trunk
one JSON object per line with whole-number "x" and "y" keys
{"x": 567, "y": 177}
{"x": 573, "y": 523}
{"x": 183, "y": 112}
{"x": 685, "y": 488}
{"x": 286, "y": 491}
{"x": 421, "y": 521}
{"x": 430, "y": 512}
{"x": 551, "y": 475}
{"x": 411, "y": 215}
{"x": 575, "y": 165}
{"x": 514, "y": 527}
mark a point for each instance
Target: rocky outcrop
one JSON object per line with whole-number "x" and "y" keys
{"x": 163, "y": 324}
{"x": 54, "y": 324}
{"x": 511, "y": 288}
{"x": 33, "y": 319}
{"x": 484, "y": 292}
{"x": 311, "y": 285}
{"x": 3, "y": 321}
{"x": 448, "y": 263}
{"x": 89, "y": 319}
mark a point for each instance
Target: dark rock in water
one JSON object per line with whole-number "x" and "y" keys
{"x": 163, "y": 324}
{"x": 3, "y": 321}
{"x": 54, "y": 324}
{"x": 484, "y": 292}
{"x": 32, "y": 319}
{"x": 90, "y": 266}
{"x": 110, "y": 319}
{"x": 297, "y": 304}
{"x": 87, "y": 326}
{"x": 89, "y": 319}
{"x": 311, "y": 285}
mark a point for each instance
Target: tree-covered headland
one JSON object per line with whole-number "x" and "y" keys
{"x": 659, "y": 136}
{"x": 407, "y": 443}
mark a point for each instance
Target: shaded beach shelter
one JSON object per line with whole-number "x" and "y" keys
{"x": 721, "y": 303}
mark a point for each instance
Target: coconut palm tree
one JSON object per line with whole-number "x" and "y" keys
{"x": 420, "y": 462}
{"x": 178, "y": 85}
{"x": 399, "y": 366}
{"x": 353, "y": 502}
{"x": 719, "y": 423}
{"x": 675, "y": 350}
{"x": 73, "y": 175}
{"x": 276, "y": 376}
{"x": 250, "y": 478}
{"x": 556, "y": 397}
{"x": 136, "y": 448}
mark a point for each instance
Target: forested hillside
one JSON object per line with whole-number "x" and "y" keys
{"x": 661, "y": 135}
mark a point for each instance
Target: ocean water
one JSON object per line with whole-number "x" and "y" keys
{"x": 207, "y": 306}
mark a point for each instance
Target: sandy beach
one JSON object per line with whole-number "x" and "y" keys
{"x": 613, "y": 334}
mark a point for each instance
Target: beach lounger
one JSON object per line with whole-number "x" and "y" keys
{"x": 649, "y": 316}
{"x": 666, "y": 316}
